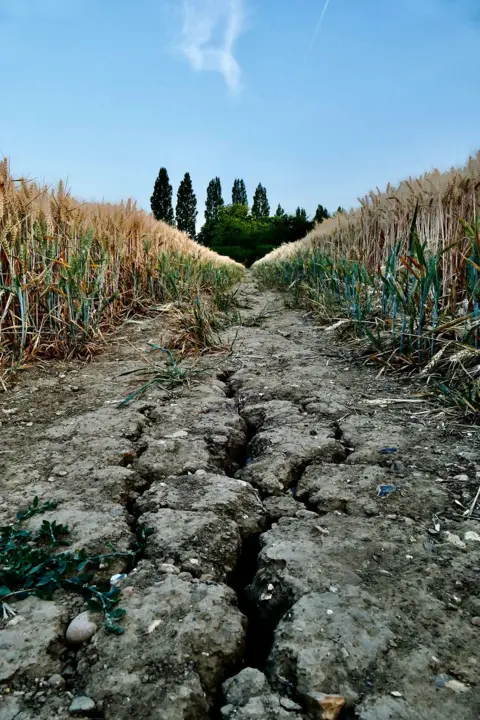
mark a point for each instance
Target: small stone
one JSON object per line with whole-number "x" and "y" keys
{"x": 69, "y": 672}
{"x": 168, "y": 569}
{"x": 178, "y": 434}
{"x": 455, "y": 540}
{"x": 304, "y": 514}
{"x": 57, "y": 681}
{"x": 472, "y": 536}
{"x": 227, "y": 711}
{"x": 461, "y": 478}
{"x": 249, "y": 683}
{"x": 323, "y": 706}
{"x": 185, "y": 576}
{"x": 396, "y": 694}
{"x": 290, "y": 705}
{"x": 153, "y": 625}
{"x": 476, "y": 621}
{"x": 456, "y": 686}
{"x": 81, "y": 629}
{"x": 81, "y": 704}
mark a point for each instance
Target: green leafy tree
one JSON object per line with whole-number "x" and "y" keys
{"x": 280, "y": 212}
{"x": 246, "y": 238}
{"x": 161, "y": 200}
{"x": 321, "y": 214}
{"x": 260, "y": 207}
{"x": 214, "y": 200}
{"x": 340, "y": 211}
{"x": 301, "y": 214}
{"x": 239, "y": 193}
{"x": 186, "y": 211}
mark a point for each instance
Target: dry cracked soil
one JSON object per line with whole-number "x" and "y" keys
{"x": 277, "y": 575}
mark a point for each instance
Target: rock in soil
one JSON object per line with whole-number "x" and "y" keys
{"x": 81, "y": 704}
{"x": 81, "y": 629}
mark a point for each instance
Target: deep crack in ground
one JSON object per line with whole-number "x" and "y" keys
{"x": 273, "y": 548}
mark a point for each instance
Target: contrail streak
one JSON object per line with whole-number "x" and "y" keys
{"x": 317, "y": 29}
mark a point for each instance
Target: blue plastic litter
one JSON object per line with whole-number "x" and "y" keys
{"x": 118, "y": 579}
{"x": 384, "y": 490}
{"x": 285, "y": 682}
{"x": 248, "y": 461}
{"x": 440, "y": 680}
{"x": 388, "y": 450}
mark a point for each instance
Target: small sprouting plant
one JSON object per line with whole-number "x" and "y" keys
{"x": 31, "y": 564}
{"x": 169, "y": 375}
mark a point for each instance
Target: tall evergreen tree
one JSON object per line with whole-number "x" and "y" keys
{"x": 260, "y": 207}
{"x": 239, "y": 193}
{"x": 321, "y": 214}
{"x": 161, "y": 200}
{"x": 340, "y": 211}
{"x": 186, "y": 211}
{"x": 301, "y": 214}
{"x": 280, "y": 212}
{"x": 214, "y": 200}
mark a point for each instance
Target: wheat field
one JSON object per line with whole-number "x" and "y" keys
{"x": 404, "y": 270}
{"x": 384, "y": 217}
{"x": 71, "y": 270}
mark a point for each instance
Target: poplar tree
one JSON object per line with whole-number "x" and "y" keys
{"x": 214, "y": 200}
{"x": 161, "y": 200}
{"x": 186, "y": 211}
{"x": 239, "y": 193}
{"x": 260, "y": 207}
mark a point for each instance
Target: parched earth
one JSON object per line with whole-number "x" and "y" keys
{"x": 309, "y": 537}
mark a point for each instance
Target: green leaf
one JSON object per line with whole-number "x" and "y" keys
{"x": 4, "y": 591}
{"x": 117, "y": 613}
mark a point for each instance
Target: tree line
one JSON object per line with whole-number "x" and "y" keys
{"x": 244, "y": 233}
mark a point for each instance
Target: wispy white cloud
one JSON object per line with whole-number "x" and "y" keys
{"x": 317, "y": 29}
{"x": 210, "y": 30}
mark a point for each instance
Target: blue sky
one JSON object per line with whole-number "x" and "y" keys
{"x": 104, "y": 92}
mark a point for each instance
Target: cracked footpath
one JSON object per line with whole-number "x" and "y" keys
{"x": 306, "y": 560}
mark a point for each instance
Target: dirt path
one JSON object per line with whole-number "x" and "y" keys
{"x": 272, "y": 547}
